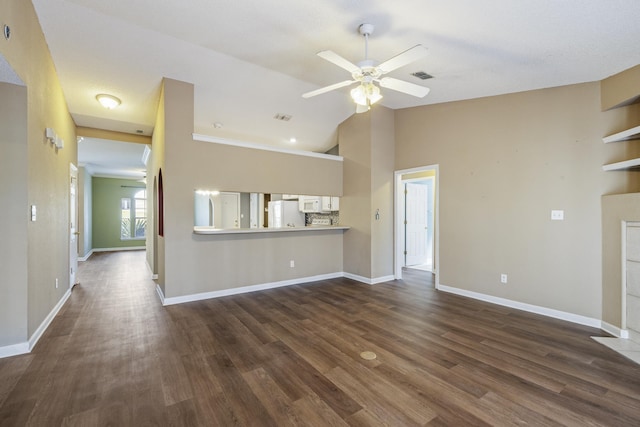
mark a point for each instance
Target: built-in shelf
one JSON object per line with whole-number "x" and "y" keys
{"x": 211, "y": 230}
{"x": 619, "y": 166}
{"x": 625, "y": 135}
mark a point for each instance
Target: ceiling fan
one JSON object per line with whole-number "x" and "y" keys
{"x": 367, "y": 74}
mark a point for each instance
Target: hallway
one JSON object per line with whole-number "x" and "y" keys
{"x": 290, "y": 356}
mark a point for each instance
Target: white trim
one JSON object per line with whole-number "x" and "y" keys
{"x": 125, "y": 248}
{"x": 614, "y": 330}
{"x": 398, "y": 235}
{"x": 549, "y": 312}
{"x": 86, "y": 257}
{"x": 160, "y": 294}
{"x": 244, "y": 289}
{"x": 255, "y": 146}
{"x": 14, "y": 349}
{"x": 47, "y": 321}
{"x": 373, "y": 281}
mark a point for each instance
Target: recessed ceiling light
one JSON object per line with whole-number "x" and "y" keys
{"x": 293, "y": 140}
{"x": 108, "y": 101}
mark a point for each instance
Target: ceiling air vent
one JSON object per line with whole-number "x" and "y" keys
{"x": 282, "y": 117}
{"x": 422, "y": 75}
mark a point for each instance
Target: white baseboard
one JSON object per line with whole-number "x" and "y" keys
{"x": 368, "y": 281}
{"x": 14, "y": 349}
{"x": 549, "y": 312}
{"x": 244, "y": 289}
{"x": 160, "y": 294}
{"x": 47, "y": 321}
{"x": 128, "y": 248}
{"x": 86, "y": 257}
{"x": 614, "y": 330}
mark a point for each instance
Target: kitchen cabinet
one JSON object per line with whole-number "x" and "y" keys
{"x": 330, "y": 204}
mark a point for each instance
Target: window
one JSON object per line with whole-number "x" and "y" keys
{"x": 133, "y": 216}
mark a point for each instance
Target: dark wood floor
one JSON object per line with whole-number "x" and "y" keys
{"x": 291, "y": 356}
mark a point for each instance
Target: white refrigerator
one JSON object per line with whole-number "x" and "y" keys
{"x": 285, "y": 213}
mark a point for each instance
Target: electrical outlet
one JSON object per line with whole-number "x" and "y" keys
{"x": 292, "y": 263}
{"x": 56, "y": 283}
{"x": 503, "y": 278}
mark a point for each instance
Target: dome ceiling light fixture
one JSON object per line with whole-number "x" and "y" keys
{"x": 368, "y": 74}
{"x": 108, "y": 101}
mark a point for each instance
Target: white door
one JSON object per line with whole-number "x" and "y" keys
{"x": 230, "y": 215}
{"x": 73, "y": 226}
{"x": 416, "y": 252}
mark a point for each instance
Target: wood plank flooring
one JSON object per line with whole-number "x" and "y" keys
{"x": 290, "y": 357}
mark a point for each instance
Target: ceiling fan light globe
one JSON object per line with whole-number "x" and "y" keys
{"x": 359, "y": 95}
{"x": 373, "y": 93}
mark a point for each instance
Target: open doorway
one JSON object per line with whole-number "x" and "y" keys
{"x": 416, "y": 220}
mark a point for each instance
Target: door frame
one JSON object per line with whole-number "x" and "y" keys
{"x": 74, "y": 232}
{"x": 399, "y": 210}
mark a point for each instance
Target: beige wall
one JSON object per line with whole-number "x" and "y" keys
{"x": 382, "y": 190}
{"x": 13, "y": 227}
{"x": 354, "y": 137}
{"x": 47, "y": 167}
{"x": 505, "y": 162}
{"x": 196, "y": 264}
{"x": 156, "y": 164}
{"x": 366, "y": 141}
{"x": 621, "y": 89}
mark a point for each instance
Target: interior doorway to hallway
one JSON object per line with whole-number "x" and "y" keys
{"x": 416, "y": 220}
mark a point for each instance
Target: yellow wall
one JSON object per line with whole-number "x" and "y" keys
{"x": 47, "y": 167}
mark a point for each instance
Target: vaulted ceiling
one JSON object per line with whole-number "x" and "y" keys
{"x": 250, "y": 60}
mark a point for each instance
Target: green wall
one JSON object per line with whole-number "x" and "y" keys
{"x": 107, "y": 193}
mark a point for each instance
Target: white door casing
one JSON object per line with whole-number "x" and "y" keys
{"x": 399, "y": 210}
{"x": 73, "y": 224}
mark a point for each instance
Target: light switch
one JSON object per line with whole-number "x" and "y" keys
{"x": 557, "y": 215}
{"x": 33, "y": 212}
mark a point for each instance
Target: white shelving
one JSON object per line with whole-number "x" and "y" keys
{"x": 625, "y": 135}
{"x": 625, "y": 165}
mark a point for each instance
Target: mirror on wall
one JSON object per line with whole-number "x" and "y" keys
{"x": 229, "y": 209}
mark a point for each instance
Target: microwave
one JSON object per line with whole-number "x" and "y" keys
{"x": 309, "y": 204}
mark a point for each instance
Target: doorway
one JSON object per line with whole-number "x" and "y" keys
{"x": 418, "y": 223}
{"x": 416, "y": 220}
{"x": 73, "y": 226}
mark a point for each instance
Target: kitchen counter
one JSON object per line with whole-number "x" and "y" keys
{"x": 212, "y": 230}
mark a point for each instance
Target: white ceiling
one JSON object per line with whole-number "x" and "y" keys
{"x": 252, "y": 59}
{"x": 113, "y": 159}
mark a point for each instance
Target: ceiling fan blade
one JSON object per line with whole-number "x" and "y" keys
{"x": 339, "y": 61}
{"x": 402, "y": 59}
{"x": 328, "y": 88}
{"x": 404, "y": 87}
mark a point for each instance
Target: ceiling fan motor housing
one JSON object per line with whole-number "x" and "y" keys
{"x": 366, "y": 29}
